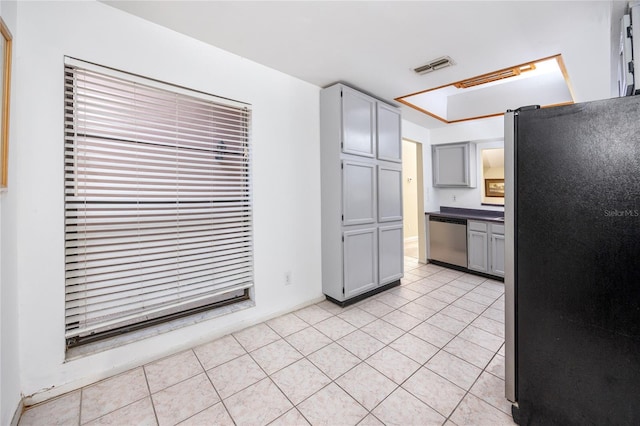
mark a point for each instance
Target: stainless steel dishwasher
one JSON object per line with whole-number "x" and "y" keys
{"x": 448, "y": 240}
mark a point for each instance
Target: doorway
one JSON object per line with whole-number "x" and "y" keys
{"x": 413, "y": 201}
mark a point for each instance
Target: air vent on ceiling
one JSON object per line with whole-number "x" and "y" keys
{"x": 436, "y": 64}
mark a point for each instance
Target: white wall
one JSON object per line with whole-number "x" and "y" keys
{"x": 487, "y": 133}
{"x": 286, "y": 175}
{"x": 422, "y": 135}
{"x": 9, "y": 355}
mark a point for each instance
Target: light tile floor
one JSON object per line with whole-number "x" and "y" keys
{"x": 430, "y": 351}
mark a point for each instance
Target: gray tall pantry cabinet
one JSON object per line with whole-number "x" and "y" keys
{"x": 361, "y": 173}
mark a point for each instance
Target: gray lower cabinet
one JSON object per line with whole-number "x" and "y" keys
{"x": 485, "y": 247}
{"x": 390, "y": 253}
{"x": 360, "y": 260}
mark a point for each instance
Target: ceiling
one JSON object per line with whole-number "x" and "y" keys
{"x": 375, "y": 45}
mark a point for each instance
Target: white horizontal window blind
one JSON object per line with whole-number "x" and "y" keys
{"x": 158, "y": 218}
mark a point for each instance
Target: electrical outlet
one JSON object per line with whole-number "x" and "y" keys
{"x": 454, "y": 198}
{"x": 287, "y": 278}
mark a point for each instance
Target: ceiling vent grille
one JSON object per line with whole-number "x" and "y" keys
{"x": 436, "y": 64}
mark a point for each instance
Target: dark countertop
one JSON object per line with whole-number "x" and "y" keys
{"x": 470, "y": 214}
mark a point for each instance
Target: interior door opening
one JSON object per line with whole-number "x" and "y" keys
{"x": 413, "y": 201}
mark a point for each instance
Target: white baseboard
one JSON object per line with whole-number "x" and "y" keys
{"x": 411, "y": 239}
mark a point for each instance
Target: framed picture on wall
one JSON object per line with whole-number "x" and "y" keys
{"x": 494, "y": 187}
{"x": 5, "y": 86}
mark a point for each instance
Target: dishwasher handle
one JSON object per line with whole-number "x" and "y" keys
{"x": 453, "y": 220}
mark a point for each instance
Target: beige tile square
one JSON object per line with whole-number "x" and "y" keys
{"x": 469, "y": 305}
{"x": 383, "y": 331}
{"x": 488, "y": 291}
{"x": 331, "y": 307}
{"x": 443, "y": 296}
{"x": 300, "y": 380}
{"x": 497, "y": 367}
{"x": 334, "y": 360}
{"x": 64, "y": 410}
{"x": 418, "y": 311}
{"x": 275, "y": 356}
{"x": 471, "y": 279}
{"x": 435, "y": 391}
{"x": 214, "y": 415}
{"x": 361, "y": 344}
{"x": 501, "y": 350}
{"x": 409, "y": 278}
{"x": 453, "y": 289}
{"x": 313, "y": 314}
{"x": 431, "y": 303}
{"x": 490, "y": 389}
{"x": 479, "y": 298}
{"x": 357, "y": 317}
{"x": 414, "y": 347}
{"x": 375, "y": 307}
{"x": 469, "y": 352}
{"x": 290, "y": 418}
{"x": 334, "y": 327}
{"x": 393, "y": 364}
{"x": 258, "y": 404}
{"x": 181, "y": 401}
{"x": 494, "y": 314}
{"x": 406, "y": 293}
{"x": 332, "y": 406}
{"x": 401, "y": 320}
{"x": 139, "y": 413}
{"x": 256, "y": 337}
{"x": 235, "y": 375}
{"x": 432, "y": 334}
{"x": 393, "y": 300}
{"x": 482, "y": 338}
{"x": 366, "y": 385}
{"x": 308, "y": 340}
{"x": 447, "y": 323}
{"x": 473, "y": 411}
{"x": 219, "y": 351}
{"x": 171, "y": 370}
{"x": 287, "y": 324}
{"x": 462, "y": 284}
{"x": 113, "y": 393}
{"x": 459, "y": 314}
{"x": 453, "y": 369}
{"x": 370, "y": 420}
{"x": 489, "y": 325}
{"x": 401, "y": 409}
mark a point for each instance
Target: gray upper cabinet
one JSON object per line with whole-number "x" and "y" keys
{"x": 454, "y": 165}
{"x": 389, "y": 139}
{"x": 358, "y": 123}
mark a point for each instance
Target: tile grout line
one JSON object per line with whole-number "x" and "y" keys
{"x": 153, "y": 405}
{"x": 214, "y": 389}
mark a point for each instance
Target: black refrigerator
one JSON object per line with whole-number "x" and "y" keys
{"x": 572, "y": 278}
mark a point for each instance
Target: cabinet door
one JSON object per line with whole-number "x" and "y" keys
{"x": 360, "y": 261}
{"x": 478, "y": 251}
{"x": 390, "y": 253}
{"x": 389, "y": 194}
{"x": 358, "y": 193}
{"x": 497, "y": 255}
{"x": 389, "y": 139}
{"x": 450, "y": 165}
{"x": 358, "y": 123}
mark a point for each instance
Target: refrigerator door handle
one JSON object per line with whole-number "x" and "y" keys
{"x": 509, "y": 270}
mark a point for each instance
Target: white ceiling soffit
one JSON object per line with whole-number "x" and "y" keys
{"x": 375, "y": 45}
{"x": 541, "y": 82}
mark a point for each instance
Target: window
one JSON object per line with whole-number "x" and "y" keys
{"x": 158, "y": 218}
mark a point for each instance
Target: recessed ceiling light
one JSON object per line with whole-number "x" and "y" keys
{"x": 541, "y": 82}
